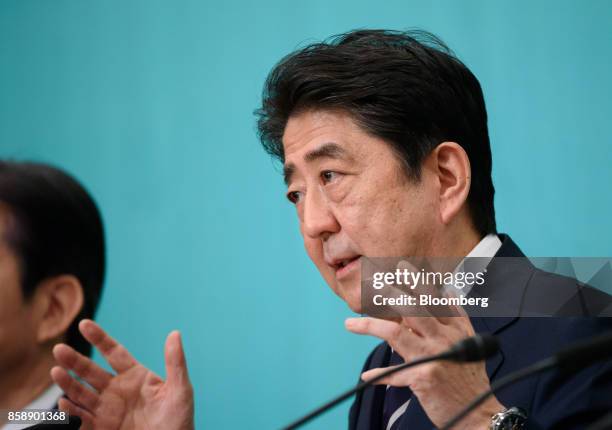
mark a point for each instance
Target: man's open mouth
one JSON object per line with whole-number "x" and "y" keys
{"x": 345, "y": 265}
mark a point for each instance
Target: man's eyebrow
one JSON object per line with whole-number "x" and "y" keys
{"x": 288, "y": 171}
{"x": 327, "y": 150}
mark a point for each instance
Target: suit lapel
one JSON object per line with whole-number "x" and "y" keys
{"x": 481, "y": 327}
{"x": 372, "y": 398}
{"x": 506, "y": 284}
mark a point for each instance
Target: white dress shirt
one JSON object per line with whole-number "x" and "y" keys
{"x": 482, "y": 254}
{"x": 47, "y": 400}
{"x": 487, "y": 247}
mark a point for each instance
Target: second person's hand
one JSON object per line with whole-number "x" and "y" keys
{"x": 134, "y": 397}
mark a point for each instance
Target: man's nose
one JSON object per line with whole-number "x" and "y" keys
{"x": 318, "y": 220}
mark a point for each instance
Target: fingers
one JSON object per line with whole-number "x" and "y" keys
{"x": 115, "y": 354}
{"x": 395, "y": 379}
{"x": 87, "y": 419}
{"x": 75, "y": 390}
{"x": 401, "y": 337}
{"x": 176, "y": 364}
{"x": 397, "y": 335}
{"x": 444, "y": 315}
{"x": 73, "y": 409}
{"x": 383, "y": 329}
{"x": 83, "y": 366}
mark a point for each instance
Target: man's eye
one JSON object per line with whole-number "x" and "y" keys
{"x": 328, "y": 175}
{"x": 294, "y": 196}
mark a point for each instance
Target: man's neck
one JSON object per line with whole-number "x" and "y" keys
{"x": 459, "y": 241}
{"x": 21, "y": 385}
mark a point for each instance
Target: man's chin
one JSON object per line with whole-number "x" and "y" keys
{"x": 349, "y": 292}
{"x": 352, "y": 297}
{"x": 355, "y": 307}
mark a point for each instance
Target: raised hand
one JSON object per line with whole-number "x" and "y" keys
{"x": 443, "y": 388}
{"x": 134, "y": 397}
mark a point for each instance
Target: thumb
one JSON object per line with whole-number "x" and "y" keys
{"x": 397, "y": 379}
{"x": 176, "y": 365}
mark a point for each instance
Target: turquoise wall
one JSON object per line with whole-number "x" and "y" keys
{"x": 149, "y": 103}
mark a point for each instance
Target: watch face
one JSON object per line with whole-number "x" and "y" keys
{"x": 513, "y": 423}
{"x": 511, "y": 419}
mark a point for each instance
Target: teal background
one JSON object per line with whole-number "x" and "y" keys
{"x": 149, "y": 104}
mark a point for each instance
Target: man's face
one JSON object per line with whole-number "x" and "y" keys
{"x": 16, "y": 332}
{"x": 353, "y": 198}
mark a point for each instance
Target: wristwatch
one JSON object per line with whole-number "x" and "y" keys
{"x": 510, "y": 419}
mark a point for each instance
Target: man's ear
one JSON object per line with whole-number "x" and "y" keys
{"x": 454, "y": 175}
{"x": 56, "y": 303}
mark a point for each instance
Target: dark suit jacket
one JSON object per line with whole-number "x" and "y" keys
{"x": 552, "y": 400}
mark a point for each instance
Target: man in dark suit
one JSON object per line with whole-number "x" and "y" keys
{"x": 383, "y": 136}
{"x": 552, "y": 400}
{"x": 51, "y": 274}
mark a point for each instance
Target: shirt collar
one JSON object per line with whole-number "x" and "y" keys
{"x": 487, "y": 247}
{"x": 47, "y": 400}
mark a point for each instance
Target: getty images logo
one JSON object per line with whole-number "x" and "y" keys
{"x": 414, "y": 278}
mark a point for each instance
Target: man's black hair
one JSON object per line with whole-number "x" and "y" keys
{"x": 55, "y": 229}
{"x": 407, "y": 88}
